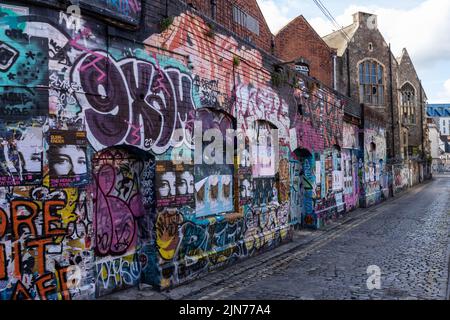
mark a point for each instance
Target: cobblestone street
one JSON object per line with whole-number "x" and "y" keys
{"x": 406, "y": 237}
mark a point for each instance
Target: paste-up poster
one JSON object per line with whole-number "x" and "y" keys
{"x": 21, "y": 153}
{"x": 67, "y": 159}
{"x": 213, "y": 189}
{"x": 174, "y": 184}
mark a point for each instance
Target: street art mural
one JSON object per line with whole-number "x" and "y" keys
{"x": 90, "y": 201}
{"x": 351, "y": 180}
{"x": 121, "y": 221}
{"x": 219, "y": 230}
{"x": 130, "y": 108}
{"x": 375, "y": 177}
{"x": 296, "y": 191}
{"x": 319, "y": 122}
{"x": 46, "y": 240}
{"x": 318, "y": 125}
{"x": 350, "y": 157}
{"x": 401, "y": 178}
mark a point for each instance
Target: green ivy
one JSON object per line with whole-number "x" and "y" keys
{"x": 211, "y": 31}
{"x": 236, "y": 61}
{"x": 166, "y": 23}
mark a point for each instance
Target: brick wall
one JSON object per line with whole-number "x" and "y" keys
{"x": 224, "y": 16}
{"x": 299, "y": 40}
{"x": 94, "y": 110}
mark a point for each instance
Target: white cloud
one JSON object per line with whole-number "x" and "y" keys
{"x": 444, "y": 95}
{"x": 277, "y": 16}
{"x": 424, "y": 30}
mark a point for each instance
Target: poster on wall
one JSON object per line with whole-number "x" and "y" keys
{"x": 338, "y": 178}
{"x": 214, "y": 189}
{"x": 245, "y": 186}
{"x": 174, "y": 184}
{"x": 67, "y": 158}
{"x": 245, "y": 176}
{"x": 21, "y": 153}
{"x": 318, "y": 172}
{"x": 264, "y": 152}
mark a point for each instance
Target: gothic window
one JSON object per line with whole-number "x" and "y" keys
{"x": 371, "y": 83}
{"x": 408, "y": 102}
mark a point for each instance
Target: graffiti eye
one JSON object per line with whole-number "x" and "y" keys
{"x": 36, "y": 157}
{"x": 193, "y": 239}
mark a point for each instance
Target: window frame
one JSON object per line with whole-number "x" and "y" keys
{"x": 408, "y": 102}
{"x": 371, "y": 82}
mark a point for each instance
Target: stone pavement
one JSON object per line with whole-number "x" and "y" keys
{"x": 406, "y": 237}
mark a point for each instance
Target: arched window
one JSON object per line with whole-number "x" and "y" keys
{"x": 265, "y": 185}
{"x": 214, "y": 176}
{"x": 371, "y": 83}
{"x": 408, "y": 102}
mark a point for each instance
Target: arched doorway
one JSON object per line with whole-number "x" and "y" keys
{"x": 123, "y": 212}
{"x": 301, "y": 187}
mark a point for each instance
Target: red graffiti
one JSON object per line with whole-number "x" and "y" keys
{"x": 45, "y": 286}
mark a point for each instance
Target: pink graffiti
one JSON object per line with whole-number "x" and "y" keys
{"x": 135, "y": 132}
{"x": 115, "y": 224}
{"x": 74, "y": 43}
{"x": 255, "y": 103}
{"x": 159, "y": 81}
{"x": 134, "y": 5}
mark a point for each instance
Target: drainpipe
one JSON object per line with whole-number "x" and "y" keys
{"x": 392, "y": 102}
{"x": 213, "y": 9}
{"x": 421, "y": 119}
{"x": 349, "y": 91}
{"x": 334, "y": 72}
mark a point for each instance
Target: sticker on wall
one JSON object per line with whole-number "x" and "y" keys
{"x": 67, "y": 159}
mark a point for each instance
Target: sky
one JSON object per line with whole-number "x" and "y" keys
{"x": 420, "y": 26}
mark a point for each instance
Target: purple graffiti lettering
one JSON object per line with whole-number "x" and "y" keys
{"x": 143, "y": 107}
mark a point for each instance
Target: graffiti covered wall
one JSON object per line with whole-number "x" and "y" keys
{"x": 91, "y": 202}
{"x": 350, "y": 163}
{"x": 93, "y": 116}
{"x": 317, "y": 138}
{"x": 374, "y": 175}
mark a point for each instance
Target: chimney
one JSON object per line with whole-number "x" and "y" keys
{"x": 366, "y": 19}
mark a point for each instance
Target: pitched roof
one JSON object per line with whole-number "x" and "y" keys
{"x": 338, "y": 41}
{"x": 300, "y": 18}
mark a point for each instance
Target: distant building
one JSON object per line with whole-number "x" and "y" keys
{"x": 444, "y": 126}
